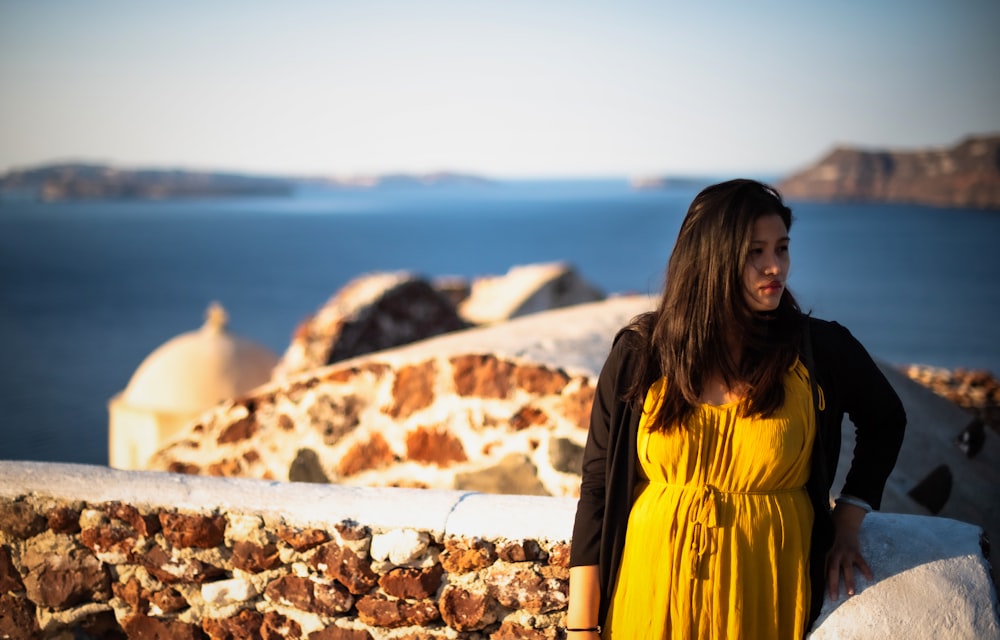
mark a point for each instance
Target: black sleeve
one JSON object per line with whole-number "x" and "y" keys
{"x": 586, "y": 543}
{"x": 877, "y": 414}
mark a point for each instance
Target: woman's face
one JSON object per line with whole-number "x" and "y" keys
{"x": 767, "y": 263}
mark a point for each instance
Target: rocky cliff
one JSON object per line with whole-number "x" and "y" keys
{"x": 964, "y": 175}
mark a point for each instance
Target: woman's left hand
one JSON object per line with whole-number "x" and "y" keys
{"x": 845, "y": 554}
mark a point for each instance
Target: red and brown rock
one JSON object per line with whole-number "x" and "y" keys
{"x": 434, "y": 446}
{"x": 294, "y": 591}
{"x": 559, "y": 555}
{"x": 245, "y": 625}
{"x": 522, "y": 588}
{"x": 178, "y": 570}
{"x": 10, "y": 579}
{"x": 109, "y": 539}
{"x": 464, "y": 610}
{"x": 17, "y": 618}
{"x": 412, "y": 584}
{"x": 59, "y": 580}
{"x": 539, "y": 380}
{"x": 484, "y": 376}
{"x": 144, "y": 525}
{"x": 364, "y": 456}
{"x": 141, "y": 626}
{"x": 285, "y": 423}
{"x": 352, "y": 531}
{"x": 302, "y": 539}
{"x": 340, "y": 633}
{"x": 132, "y": 592}
{"x": 168, "y": 600}
{"x": 528, "y": 417}
{"x": 254, "y": 558}
{"x": 225, "y": 468}
{"x": 279, "y": 627}
{"x": 20, "y": 520}
{"x": 522, "y": 551}
{"x": 198, "y": 531}
{"x": 413, "y": 389}
{"x": 184, "y": 467}
{"x": 307, "y": 595}
{"x": 379, "y": 611}
{"x": 462, "y": 555}
{"x": 346, "y": 567}
{"x": 63, "y": 520}
{"x": 577, "y": 405}
{"x": 331, "y": 599}
{"x": 238, "y": 431}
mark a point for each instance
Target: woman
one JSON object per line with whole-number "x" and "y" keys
{"x": 704, "y": 506}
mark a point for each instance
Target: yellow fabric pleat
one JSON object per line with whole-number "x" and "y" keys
{"x": 718, "y": 536}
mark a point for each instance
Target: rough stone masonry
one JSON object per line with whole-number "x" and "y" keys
{"x": 91, "y": 552}
{"x": 113, "y": 570}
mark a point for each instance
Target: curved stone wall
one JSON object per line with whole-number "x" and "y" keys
{"x": 106, "y": 553}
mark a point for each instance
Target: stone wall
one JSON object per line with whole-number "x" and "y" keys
{"x": 95, "y": 552}
{"x": 498, "y": 409}
{"x": 130, "y": 554}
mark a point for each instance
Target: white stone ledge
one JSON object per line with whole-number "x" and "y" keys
{"x": 436, "y": 511}
{"x": 931, "y": 581}
{"x": 513, "y": 517}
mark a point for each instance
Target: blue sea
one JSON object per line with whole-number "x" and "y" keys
{"x": 87, "y": 290}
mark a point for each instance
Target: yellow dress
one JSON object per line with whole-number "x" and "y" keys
{"x": 718, "y": 537}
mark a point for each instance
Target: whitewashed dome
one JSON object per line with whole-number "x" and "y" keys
{"x": 196, "y": 370}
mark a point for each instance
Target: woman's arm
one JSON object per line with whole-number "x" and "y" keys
{"x": 584, "y": 602}
{"x": 585, "y": 596}
{"x": 879, "y": 422}
{"x": 589, "y": 522}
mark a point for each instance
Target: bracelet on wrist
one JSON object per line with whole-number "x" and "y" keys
{"x": 856, "y": 502}
{"x": 596, "y": 628}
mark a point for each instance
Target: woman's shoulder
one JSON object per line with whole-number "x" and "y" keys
{"x": 827, "y": 330}
{"x": 834, "y": 345}
{"x": 635, "y": 336}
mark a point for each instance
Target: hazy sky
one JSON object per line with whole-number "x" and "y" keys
{"x": 504, "y": 88}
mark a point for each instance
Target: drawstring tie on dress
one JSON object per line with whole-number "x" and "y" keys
{"x": 705, "y": 516}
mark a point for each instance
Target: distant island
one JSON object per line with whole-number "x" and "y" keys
{"x": 965, "y": 175}
{"x": 79, "y": 181}
{"x": 63, "y": 182}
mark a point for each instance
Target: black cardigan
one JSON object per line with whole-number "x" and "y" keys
{"x": 850, "y": 382}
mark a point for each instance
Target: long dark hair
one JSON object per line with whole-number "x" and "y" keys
{"x": 703, "y": 312}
